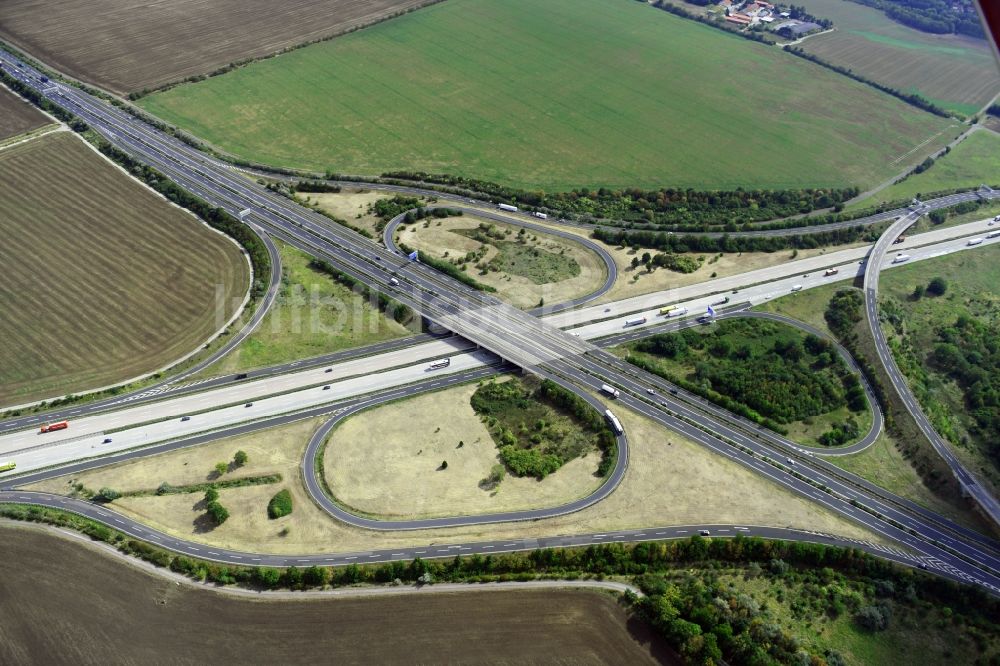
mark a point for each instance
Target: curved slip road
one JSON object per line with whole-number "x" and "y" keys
{"x": 610, "y": 267}
{"x": 969, "y": 483}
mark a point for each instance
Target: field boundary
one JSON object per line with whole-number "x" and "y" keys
{"x": 237, "y": 314}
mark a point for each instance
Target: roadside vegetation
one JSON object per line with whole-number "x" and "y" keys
{"x": 139, "y": 293}
{"x": 792, "y": 382}
{"x": 314, "y": 314}
{"x": 539, "y": 427}
{"x": 550, "y": 124}
{"x": 943, "y": 320}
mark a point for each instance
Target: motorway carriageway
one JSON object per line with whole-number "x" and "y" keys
{"x": 159, "y": 421}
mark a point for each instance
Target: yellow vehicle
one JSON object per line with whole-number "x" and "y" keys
{"x": 7, "y": 467}
{"x": 668, "y": 309}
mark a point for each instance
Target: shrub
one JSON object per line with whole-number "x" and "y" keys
{"x": 241, "y": 458}
{"x": 218, "y": 513}
{"x": 280, "y": 505}
{"x": 108, "y": 494}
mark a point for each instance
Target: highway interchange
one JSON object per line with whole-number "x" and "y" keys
{"x": 517, "y": 338}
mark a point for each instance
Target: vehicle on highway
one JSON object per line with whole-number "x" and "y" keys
{"x": 613, "y": 422}
{"x": 328, "y": 370}
{"x": 721, "y": 301}
{"x": 607, "y": 309}
{"x": 6, "y": 467}
{"x": 107, "y": 440}
{"x": 667, "y": 310}
{"x": 249, "y": 404}
{"x": 993, "y": 234}
{"x": 242, "y": 375}
{"x": 678, "y": 312}
{"x": 52, "y": 427}
{"x": 975, "y": 241}
{"x": 901, "y": 239}
{"x": 635, "y": 322}
{"x": 673, "y": 391}
{"x": 394, "y": 282}
{"x": 797, "y": 287}
{"x": 830, "y": 271}
{"x": 377, "y": 258}
{"x": 790, "y": 461}
{"x": 900, "y": 258}
{"x": 650, "y": 391}
{"x": 185, "y": 418}
{"x": 443, "y": 363}
{"x": 704, "y": 532}
{"x": 610, "y": 390}
{"x": 540, "y": 216}
{"x": 326, "y": 388}
{"x": 508, "y": 208}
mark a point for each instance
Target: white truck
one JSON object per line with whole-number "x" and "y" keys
{"x": 613, "y": 422}
{"x": 540, "y": 216}
{"x": 610, "y": 390}
{"x": 635, "y": 322}
{"x": 975, "y": 241}
{"x": 900, "y": 258}
{"x": 507, "y": 207}
{"x": 443, "y": 363}
{"x": 677, "y": 312}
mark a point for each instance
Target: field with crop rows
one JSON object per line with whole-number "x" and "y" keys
{"x": 958, "y": 73}
{"x": 126, "y": 46}
{"x": 556, "y": 94}
{"x": 103, "y": 280}
{"x": 17, "y": 116}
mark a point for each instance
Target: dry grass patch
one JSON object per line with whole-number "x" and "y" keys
{"x": 103, "y": 279}
{"x": 439, "y": 238}
{"x": 386, "y": 462}
{"x": 18, "y": 116}
{"x": 351, "y": 205}
{"x": 669, "y": 481}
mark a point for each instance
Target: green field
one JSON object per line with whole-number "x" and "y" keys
{"x": 102, "y": 280}
{"x": 627, "y": 96}
{"x": 974, "y": 161}
{"x": 957, "y": 73}
{"x": 314, "y": 314}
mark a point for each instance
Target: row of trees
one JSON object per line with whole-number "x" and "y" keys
{"x": 399, "y": 312}
{"x": 675, "y": 243}
{"x": 940, "y": 17}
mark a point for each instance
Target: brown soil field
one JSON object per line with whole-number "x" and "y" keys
{"x": 103, "y": 279}
{"x": 18, "y": 116}
{"x": 124, "y": 46}
{"x": 68, "y": 602}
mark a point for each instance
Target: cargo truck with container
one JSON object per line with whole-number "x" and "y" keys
{"x": 610, "y": 390}
{"x": 635, "y": 322}
{"x": 52, "y": 427}
{"x": 613, "y": 421}
{"x": 507, "y": 207}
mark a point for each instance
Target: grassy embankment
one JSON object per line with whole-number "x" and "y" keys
{"x": 105, "y": 281}
{"x": 314, "y": 314}
{"x": 469, "y": 68}
{"x": 791, "y": 381}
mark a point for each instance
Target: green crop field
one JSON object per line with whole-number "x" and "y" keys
{"x": 958, "y": 73}
{"x": 974, "y": 161}
{"x": 627, "y": 96}
{"x": 102, "y": 279}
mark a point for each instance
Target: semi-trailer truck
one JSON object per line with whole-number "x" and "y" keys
{"x": 667, "y": 310}
{"x": 52, "y": 427}
{"x": 975, "y": 241}
{"x": 613, "y": 422}
{"x": 677, "y": 312}
{"x": 508, "y": 208}
{"x": 610, "y": 390}
{"x": 540, "y": 216}
{"x": 443, "y": 363}
{"x": 6, "y": 467}
{"x": 635, "y": 322}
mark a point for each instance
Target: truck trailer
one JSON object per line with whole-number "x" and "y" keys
{"x": 610, "y": 390}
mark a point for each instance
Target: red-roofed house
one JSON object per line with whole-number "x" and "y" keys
{"x": 741, "y": 19}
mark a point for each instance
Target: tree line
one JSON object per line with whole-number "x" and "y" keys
{"x": 674, "y": 243}
{"x": 940, "y": 17}
{"x": 399, "y": 312}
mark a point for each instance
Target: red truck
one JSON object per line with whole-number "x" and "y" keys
{"x": 51, "y": 427}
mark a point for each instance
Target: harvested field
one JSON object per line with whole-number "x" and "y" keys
{"x": 124, "y": 46}
{"x": 955, "y": 72}
{"x": 18, "y": 116}
{"x": 628, "y": 96}
{"x": 669, "y": 481}
{"x": 65, "y": 602}
{"x": 103, "y": 280}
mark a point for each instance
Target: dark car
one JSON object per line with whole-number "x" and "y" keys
{"x": 249, "y": 404}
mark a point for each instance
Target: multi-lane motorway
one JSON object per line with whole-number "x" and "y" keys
{"x": 513, "y": 335}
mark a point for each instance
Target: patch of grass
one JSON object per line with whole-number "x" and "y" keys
{"x": 280, "y": 505}
{"x": 103, "y": 280}
{"x": 522, "y": 257}
{"x": 314, "y": 314}
{"x": 628, "y": 97}
{"x": 771, "y": 372}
